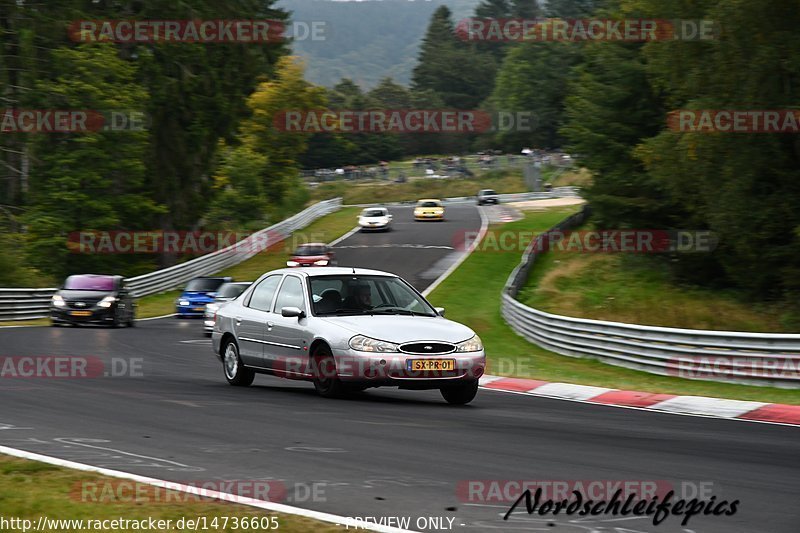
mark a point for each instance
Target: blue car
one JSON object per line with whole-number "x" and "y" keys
{"x": 198, "y": 292}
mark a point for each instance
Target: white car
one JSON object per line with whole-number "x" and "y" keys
{"x": 375, "y": 219}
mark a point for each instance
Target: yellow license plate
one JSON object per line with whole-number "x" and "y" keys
{"x": 199, "y": 308}
{"x": 80, "y": 313}
{"x": 420, "y": 365}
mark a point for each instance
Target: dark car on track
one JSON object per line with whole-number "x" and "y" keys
{"x": 198, "y": 293}
{"x": 93, "y": 298}
{"x": 312, "y": 254}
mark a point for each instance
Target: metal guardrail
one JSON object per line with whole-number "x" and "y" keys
{"x": 23, "y": 304}
{"x": 173, "y": 276}
{"x": 557, "y": 192}
{"x": 729, "y": 356}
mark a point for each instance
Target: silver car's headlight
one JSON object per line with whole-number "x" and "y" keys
{"x": 472, "y": 345}
{"x": 211, "y": 308}
{"x": 58, "y": 301}
{"x": 366, "y": 344}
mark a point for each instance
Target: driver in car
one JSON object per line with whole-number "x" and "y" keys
{"x": 360, "y": 297}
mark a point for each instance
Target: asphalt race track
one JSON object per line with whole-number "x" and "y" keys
{"x": 383, "y": 452}
{"x": 417, "y": 251}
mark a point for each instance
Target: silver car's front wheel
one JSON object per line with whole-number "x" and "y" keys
{"x": 326, "y": 379}
{"x": 235, "y": 372}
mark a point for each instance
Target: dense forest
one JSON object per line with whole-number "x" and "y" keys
{"x": 211, "y": 156}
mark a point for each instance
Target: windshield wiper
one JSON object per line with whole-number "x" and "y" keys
{"x": 397, "y": 311}
{"x": 344, "y": 312}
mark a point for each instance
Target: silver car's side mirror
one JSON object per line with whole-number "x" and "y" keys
{"x": 290, "y": 312}
{"x": 439, "y": 310}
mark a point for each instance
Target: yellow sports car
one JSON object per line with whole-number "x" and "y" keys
{"x": 429, "y": 209}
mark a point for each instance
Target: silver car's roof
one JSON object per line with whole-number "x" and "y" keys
{"x": 332, "y": 271}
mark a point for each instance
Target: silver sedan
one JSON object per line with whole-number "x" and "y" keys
{"x": 346, "y": 329}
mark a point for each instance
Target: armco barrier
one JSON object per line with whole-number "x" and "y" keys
{"x": 557, "y": 192}
{"x": 736, "y": 357}
{"x": 168, "y": 278}
{"x": 22, "y": 304}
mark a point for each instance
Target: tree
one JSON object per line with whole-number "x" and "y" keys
{"x": 744, "y": 187}
{"x": 610, "y": 109}
{"x": 264, "y": 164}
{"x": 534, "y": 78}
{"x": 572, "y": 9}
{"x": 456, "y": 70}
{"x": 493, "y": 9}
{"x": 88, "y": 181}
{"x": 198, "y": 95}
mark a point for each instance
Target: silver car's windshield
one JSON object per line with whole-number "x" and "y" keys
{"x": 365, "y": 295}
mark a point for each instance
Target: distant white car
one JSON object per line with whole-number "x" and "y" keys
{"x": 375, "y": 219}
{"x": 488, "y": 196}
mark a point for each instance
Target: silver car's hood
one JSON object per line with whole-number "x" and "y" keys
{"x": 399, "y": 328}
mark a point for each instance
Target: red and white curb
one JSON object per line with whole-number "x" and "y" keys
{"x": 772, "y": 413}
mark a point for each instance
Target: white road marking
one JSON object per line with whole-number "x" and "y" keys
{"x": 91, "y": 443}
{"x": 223, "y": 496}
{"x": 343, "y": 237}
{"x": 417, "y": 246}
{"x": 155, "y": 317}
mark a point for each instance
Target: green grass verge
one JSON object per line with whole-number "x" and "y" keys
{"x": 471, "y": 295}
{"x": 384, "y": 192}
{"x": 30, "y": 489}
{"x": 32, "y": 322}
{"x": 157, "y": 304}
{"x": 628, "y": 288}
{"x": 325, "y": 229}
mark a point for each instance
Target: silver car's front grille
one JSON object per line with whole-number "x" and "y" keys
{"x": 427, "y": 348}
